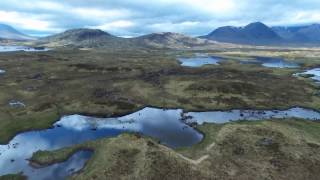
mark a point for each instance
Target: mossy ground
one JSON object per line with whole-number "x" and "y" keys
{"x": 103, "y": 83}
{"x": 275, "y": 149}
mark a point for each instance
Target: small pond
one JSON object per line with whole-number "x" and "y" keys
{"x": 169, "y": 126}
{"x": 21, "y": 48}
{"x": 271, "y": 62}
{"x": 203, "y": 59}
{"x": 2, "y": 71}
{"x": 199, "y": 61}
{"x": 312, "y": 73}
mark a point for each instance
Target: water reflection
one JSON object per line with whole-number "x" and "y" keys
{"x": 199, "y": 61}
{"x": 21, "y": 48}
{"x": 61, "y": 170}
{"x": 170, "y": 127}
{"x": 220, "y": 117}
{"x": 271, "y": 62}
{"x": 313, "y": 73}
{"x": 204, "y": 59}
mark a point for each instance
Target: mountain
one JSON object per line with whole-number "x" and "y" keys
{"x": 95, "y": 38}
{"x": 81, "y": 38}
{"x": 255, "y": 34}
{"x": 300, "y": 34}
{"x": 171, "y": 40}
{"x": 8, "y": 32}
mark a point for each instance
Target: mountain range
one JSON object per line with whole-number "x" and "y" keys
{"x": 252, "y": 34}
{"x": 303, "y": 34}
{"x": 93, "y": 38}
{"x": 260, "y": 34}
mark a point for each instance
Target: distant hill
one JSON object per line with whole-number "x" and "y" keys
{"x": 260, "y": 34}
{"x": 95, "y": 38}
{"x": 83, "y": 38}
{"x": 171, "y": 40}
{"x": 255, "y": 34}
{"x": 300, "y": 34}
{"x": 9, "y": 33}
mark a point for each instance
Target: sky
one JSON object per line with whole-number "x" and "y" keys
{"x": 129, "y": 18}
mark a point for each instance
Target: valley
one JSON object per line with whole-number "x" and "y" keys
{"x": 102, "y": 82}
{"x": 86, "y": 104}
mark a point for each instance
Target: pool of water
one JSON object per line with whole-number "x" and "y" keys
{"x": 220, "y": 117}
{"x": 170, "y": 127}
{"x": 199, "y": 60}
{"x": 61, "y": 170}
{"x": 271, "y": 62}
{"x": 2, "y": 71}
{"x": 164, "y": 125}
{"x": 21, "y": 48}
{"x": 315, "y": 74}
{"x": 204, "y": 59}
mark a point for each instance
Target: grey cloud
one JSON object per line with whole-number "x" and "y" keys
{"x": 149, "y": 16}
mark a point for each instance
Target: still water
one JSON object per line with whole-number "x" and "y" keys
{"x": 169, "y": 126}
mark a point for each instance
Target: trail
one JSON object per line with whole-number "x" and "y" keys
{"x": 210, "y": 146}
{"x": 197, "y": 161}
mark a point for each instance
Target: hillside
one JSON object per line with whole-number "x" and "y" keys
{"x": 90, "y": 38}
{"x": 254, "y": 34}
{"x": 300, "y": 34}
{"x": 95, "y": 38}
{"x": 9, "y": 33}
{"x": 171, "y": 40}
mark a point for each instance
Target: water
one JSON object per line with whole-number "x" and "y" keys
{"x": 199, "y": 61}
{"x": 271, "y": 62}
{"x": 61, "y": 170}
{"x": 164, "y": 125}
{"x": 220, "y": 117}
{"x": 203, "y": 59}
{"x": 2, "y": 71}
{"x": 315, "y": 74}
{"x": 170, "y": 127}
{"x": 21, "y": 48}
{"x": 16, "y": 104}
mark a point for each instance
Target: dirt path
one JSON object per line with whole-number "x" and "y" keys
{"x": 210, "y": 146}
{"x": 195, "y": 162}
{"x": 201, "y": 159}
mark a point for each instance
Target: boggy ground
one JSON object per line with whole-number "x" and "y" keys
{"x": 103, "y": 83}
{"x": 275, "y": 149}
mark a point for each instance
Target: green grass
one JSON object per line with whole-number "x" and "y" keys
{"x": 13, "y": 177}
{"x": 126, "y": 157}
{"x": 103, "y": 83}
{"x": 240, "y": 147}
{"x": 210, "y": 132}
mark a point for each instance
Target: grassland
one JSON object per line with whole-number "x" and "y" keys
{"x": 276, "y": 149}
{"x": 102, "y": 83}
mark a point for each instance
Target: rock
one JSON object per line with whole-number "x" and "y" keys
{"x": 265, "y": 142}
{"x": 16, "y": 104}
{"x": 238, "y": 150}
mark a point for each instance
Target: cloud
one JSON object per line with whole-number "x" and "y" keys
{"x": 137, "y": 17}
{"x": 18, "y": 19}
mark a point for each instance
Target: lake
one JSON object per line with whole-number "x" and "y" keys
{"x": 201, "y": 60}
{"x": 314, "y": 74}
{"x": 271, "y": 62}
{"x": 169, "y": 126}
{"x": 21, "y": 48}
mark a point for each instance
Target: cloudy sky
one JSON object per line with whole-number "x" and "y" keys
{"x": 137, "y": 17}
